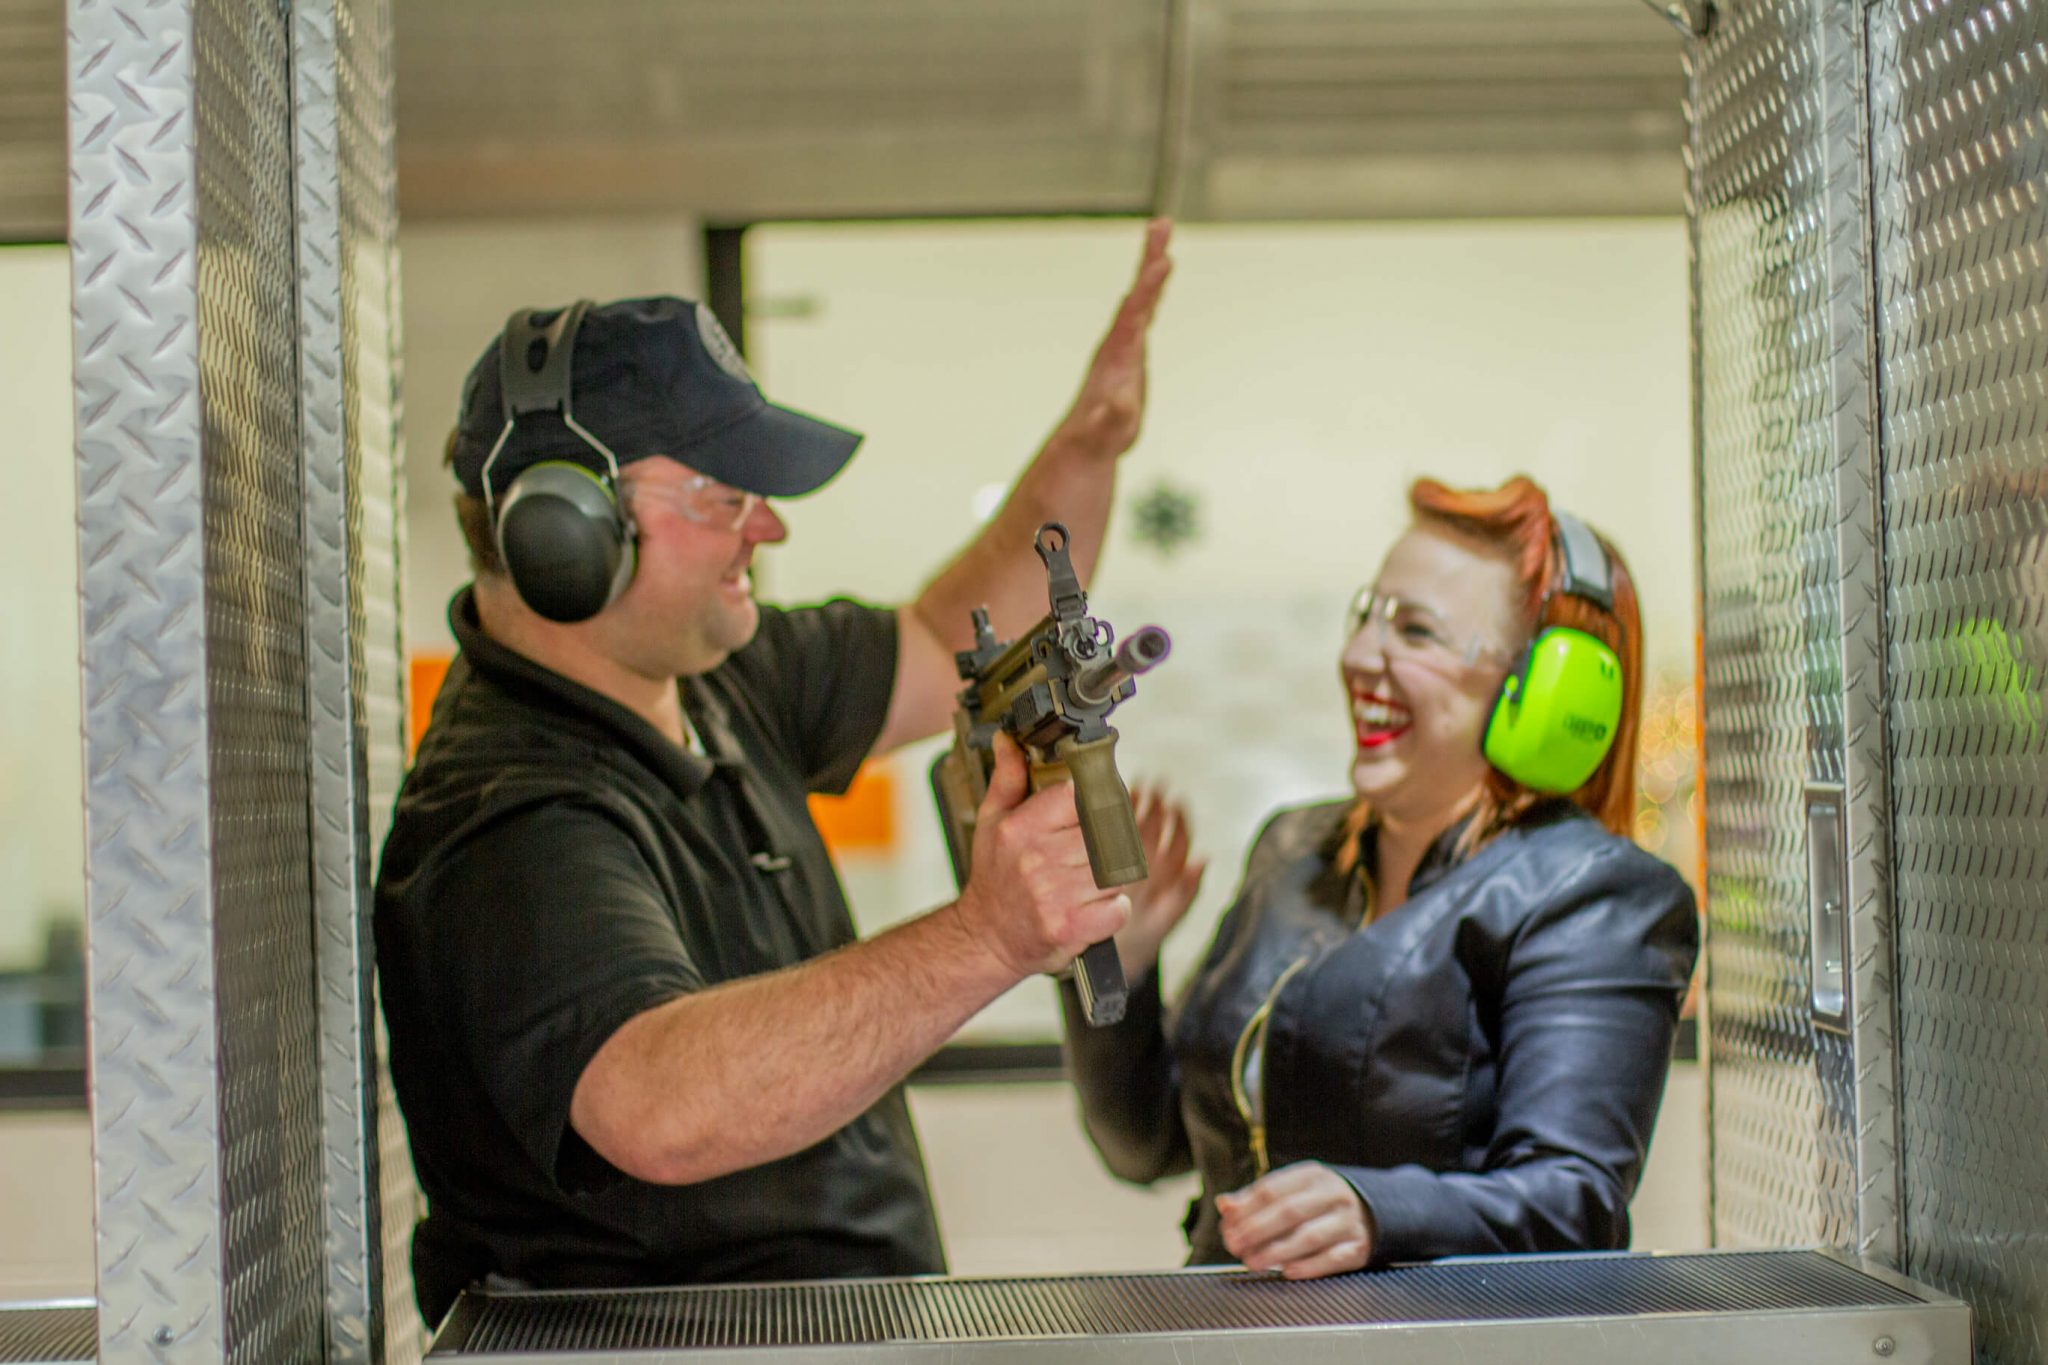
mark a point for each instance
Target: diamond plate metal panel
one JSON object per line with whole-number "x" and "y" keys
{"x": 256, "y": 666}
{"x": 373, "y": 345}
{"x": 348, "y": 345}
{"x": 149, "y": 892}
{"x": 204, "y": 1045}
{"x": 1872, "y": 1084}
{"x": 1960, "y": 155}
{"x": 347, "y": 222}
{"x": 339, "y": 850}
{"x": 1781, "y": 1097}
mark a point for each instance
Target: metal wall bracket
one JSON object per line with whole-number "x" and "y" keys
{"x": 1827, "y": 904}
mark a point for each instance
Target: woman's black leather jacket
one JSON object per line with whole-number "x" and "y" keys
{"x": 1483, "y": 1064}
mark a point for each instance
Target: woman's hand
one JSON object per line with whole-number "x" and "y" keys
{"x": 1172, "y": 878}
{"x": 1303, "y": 1220}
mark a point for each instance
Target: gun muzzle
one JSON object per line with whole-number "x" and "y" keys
{"x": 1100, "y": 681}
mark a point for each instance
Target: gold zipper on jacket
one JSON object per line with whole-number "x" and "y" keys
{"x": 1255, "y": 1124}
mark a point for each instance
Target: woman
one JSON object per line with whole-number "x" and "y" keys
{"x": 1437, "y": 1018}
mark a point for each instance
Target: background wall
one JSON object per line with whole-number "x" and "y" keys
{"x": 46, "y": 1243}
{"x": 1301, "y": 377}
{"x": 42, "y": 825}
{"x": 46, "y": 1234}
{"x": 462, "y": 279}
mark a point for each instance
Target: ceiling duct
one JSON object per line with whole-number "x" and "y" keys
{"x": 33, "y": 143}
{"x": 1425, "y": 108}
{"x": 753, "y": 110}
{"x": 742, "y": 110}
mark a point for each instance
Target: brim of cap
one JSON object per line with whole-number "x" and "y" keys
{"x": 776, "y": 452}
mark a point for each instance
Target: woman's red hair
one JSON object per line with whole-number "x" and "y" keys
{"x": 1515, "y": 518}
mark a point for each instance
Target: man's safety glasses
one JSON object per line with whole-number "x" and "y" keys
{"x": 701, "y": 498}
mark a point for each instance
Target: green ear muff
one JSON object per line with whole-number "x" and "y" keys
{"x": 1557, "y": 713}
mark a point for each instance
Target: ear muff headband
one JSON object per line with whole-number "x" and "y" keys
{"x": 561, "y": 531}
{"x": 1560, "y": 708}
{"x": 1583, "y": 567}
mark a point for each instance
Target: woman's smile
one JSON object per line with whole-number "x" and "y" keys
{"x": 1379, "y": 720}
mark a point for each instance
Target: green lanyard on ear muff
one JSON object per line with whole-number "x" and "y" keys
{"x": 1559, "y": 709}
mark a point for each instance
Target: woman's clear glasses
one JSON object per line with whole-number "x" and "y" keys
{"x": 1416, "y": 631}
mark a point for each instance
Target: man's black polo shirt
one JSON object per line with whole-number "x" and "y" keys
{"x": 557, "y": 866}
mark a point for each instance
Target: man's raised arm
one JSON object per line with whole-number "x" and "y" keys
{"x": 1071, "y": 480}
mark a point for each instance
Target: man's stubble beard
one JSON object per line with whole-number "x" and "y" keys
{"x": 711, "y": 636}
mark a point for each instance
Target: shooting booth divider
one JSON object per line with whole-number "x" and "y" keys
{"x": 1869, "y": 206}
{"x": 235, "y": 301}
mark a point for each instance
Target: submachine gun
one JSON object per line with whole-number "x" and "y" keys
{"x": 1051, "y": 690}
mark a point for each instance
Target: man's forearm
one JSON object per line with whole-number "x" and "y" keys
{"x": 748, "y": 1072}
{"x": 1066, "y": 482}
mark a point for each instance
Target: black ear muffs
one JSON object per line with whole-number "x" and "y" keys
{"x": 561, "y": 530}
{"x": 563, "y": 541}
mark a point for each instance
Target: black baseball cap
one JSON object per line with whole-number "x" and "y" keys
{"x": 653, "y": 376}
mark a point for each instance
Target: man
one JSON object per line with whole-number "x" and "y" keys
{"x": 632, "y": 1032}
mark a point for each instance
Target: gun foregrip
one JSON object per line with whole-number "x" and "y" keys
{"x": 1115, "y": 855}
{"x": 1109, "y": 827}
{"x": 1099, "y": 979}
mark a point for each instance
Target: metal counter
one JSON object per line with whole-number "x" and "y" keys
{"x": 1808, "y": 1306}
